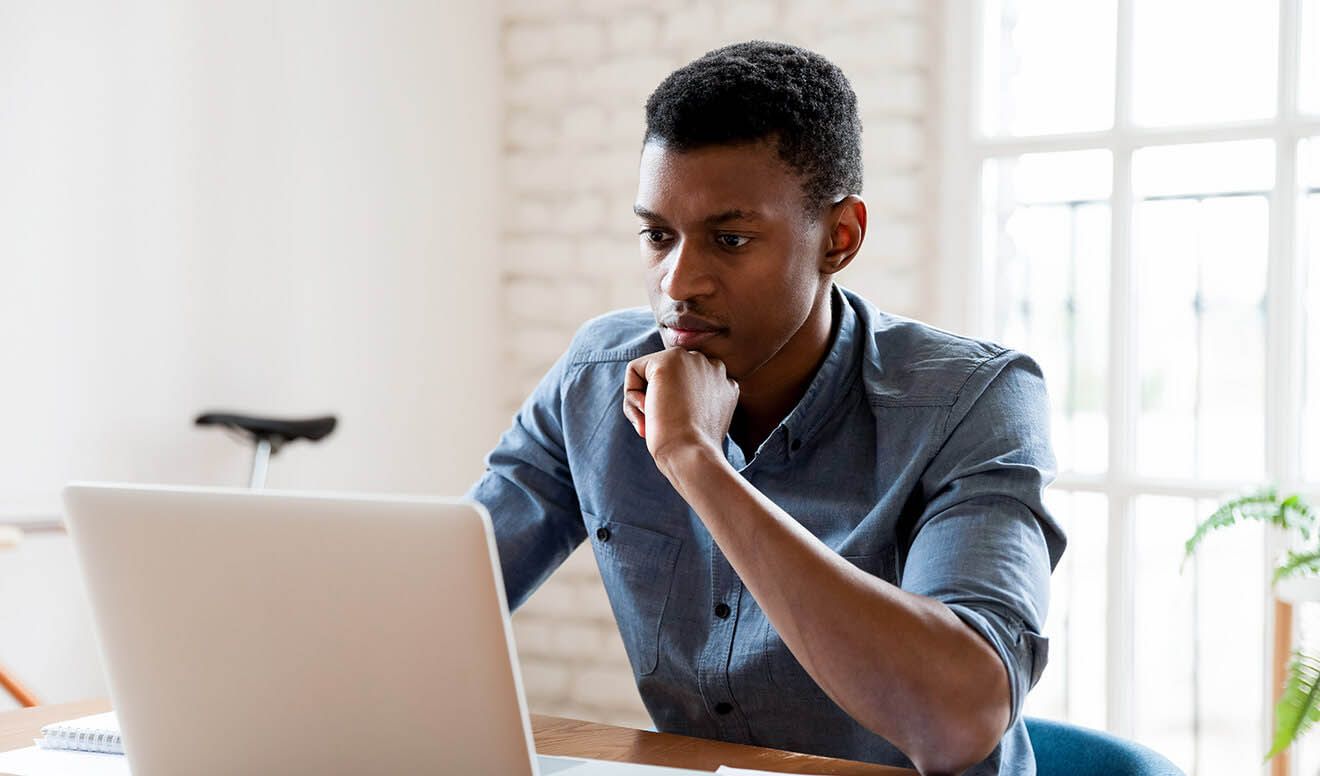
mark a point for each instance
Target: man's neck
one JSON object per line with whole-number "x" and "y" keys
{"x": 772, "y": 391}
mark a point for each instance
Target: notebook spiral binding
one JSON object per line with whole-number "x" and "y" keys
{"x": 83, "y": 740}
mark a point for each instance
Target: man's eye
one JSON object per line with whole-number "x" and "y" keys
{"x": 732, "y": 240}
{"x": 655, "y": 236}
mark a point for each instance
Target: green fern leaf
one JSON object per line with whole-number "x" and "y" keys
{"x": 1262, "y": 505}
{"x": 1301, "y": 517}
{"x": 1298, "y": 563}
{"x": 1299, "y": 708}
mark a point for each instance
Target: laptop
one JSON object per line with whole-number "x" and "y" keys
{"x": 306, "y": 633}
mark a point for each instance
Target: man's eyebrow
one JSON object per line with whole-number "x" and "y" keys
{"x": 648, "y": 215}
{"x": 733, "y": 215}
{"x": 718, "y": 218}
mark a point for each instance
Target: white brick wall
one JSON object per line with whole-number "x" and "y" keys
{"x": 577, "y": 76}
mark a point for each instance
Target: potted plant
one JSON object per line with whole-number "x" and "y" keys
{"x": 1299, "y": 707}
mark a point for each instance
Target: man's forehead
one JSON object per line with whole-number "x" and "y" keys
{"x": 715, "y": 183}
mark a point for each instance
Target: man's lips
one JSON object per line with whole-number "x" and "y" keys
{"x": 690, "y": 338}
{"x": 689, "y": 330}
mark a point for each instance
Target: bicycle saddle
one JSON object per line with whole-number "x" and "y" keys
{"x": 275, "y": 430}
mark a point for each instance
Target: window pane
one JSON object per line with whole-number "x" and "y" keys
{"x": 1167, "y": 336}
{"x": 1047, "y": 223}
{"x": 1191, "y": 625}
{"x": 1310, "y": 213}
{"x": 1309, "y": 232}
{"x": 1047, "y": 66}
{"x": 1202, "y": 242}
{"x": 1164, "y": 673}
{"x": 1234, "y": 256}
{"x": 1307, "y": 748}
{"x": 1073, "y": 685}
{"x": 1197, "y": 62}
{"x": 1308, "y": 82}
{"x": 1204, "y": 168}
{"x": 1231, "y": 599}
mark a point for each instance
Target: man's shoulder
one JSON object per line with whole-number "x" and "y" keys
{"x": 619, "y": 335}
{"x": 910, "y": 362}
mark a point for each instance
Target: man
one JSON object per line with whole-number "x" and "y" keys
{"x": 820, "y": 526}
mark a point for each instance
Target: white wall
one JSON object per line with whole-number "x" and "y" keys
{"x": 283, "y": 207}
{"x": 292, "y": 207}
{"x": 578, "y": 74}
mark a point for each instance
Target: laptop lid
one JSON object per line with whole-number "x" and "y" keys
{"x": 276, "y": 632}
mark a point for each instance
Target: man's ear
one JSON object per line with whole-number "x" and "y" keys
{"x": 846, "y": 228}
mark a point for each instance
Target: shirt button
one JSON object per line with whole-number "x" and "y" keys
{"x": 723, "y": 708}
{"x": 603, "y": 534}
{"x": 721, "y": 610}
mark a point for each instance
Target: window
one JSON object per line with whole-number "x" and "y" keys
{"x": 1130, "y": 195}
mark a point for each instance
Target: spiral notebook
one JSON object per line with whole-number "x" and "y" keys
{"x": 95, "y": 733}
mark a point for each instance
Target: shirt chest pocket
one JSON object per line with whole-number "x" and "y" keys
{"x": 783, "y": 670}
{"x": 637, "y": 568}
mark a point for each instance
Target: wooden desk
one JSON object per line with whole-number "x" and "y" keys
{"x": 554, "y": 735}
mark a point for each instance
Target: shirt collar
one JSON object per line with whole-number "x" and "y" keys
{"x": 834, "y": 377}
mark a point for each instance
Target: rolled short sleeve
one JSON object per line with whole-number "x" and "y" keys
{"x": 985, "y": 544}
{"x": 528, "y": 490}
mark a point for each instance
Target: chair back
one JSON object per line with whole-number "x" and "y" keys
{"x": 1068, "y": 750}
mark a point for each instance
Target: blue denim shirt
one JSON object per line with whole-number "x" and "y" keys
{"x": 918, "y": 455}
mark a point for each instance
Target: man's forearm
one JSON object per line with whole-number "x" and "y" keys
{"x": 902, "y": 665}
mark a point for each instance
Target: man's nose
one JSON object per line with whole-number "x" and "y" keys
{"x": 687, "y": 273}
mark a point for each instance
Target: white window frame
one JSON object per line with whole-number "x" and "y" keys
{"x": 967, "y": 303}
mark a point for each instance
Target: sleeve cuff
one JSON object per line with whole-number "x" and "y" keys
{"x": 1023, "y": 652}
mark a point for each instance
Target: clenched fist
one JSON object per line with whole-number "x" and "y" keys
{"x": 677, "y": 399}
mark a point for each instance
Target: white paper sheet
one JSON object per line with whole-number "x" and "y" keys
{"x": 35, "y": 761}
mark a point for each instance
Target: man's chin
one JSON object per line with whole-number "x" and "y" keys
{"x": 710, "y": 349}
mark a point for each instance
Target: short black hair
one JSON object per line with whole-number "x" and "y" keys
{"x": 760, "y": 90}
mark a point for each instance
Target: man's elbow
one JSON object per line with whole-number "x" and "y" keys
{"x": 965, "y": 737}
{"x": 970, "y": 717}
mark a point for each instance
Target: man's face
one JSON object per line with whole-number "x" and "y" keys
{"x": 732, "y": 258}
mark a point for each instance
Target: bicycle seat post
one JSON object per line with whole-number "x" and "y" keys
{"x": 260, "y": 462}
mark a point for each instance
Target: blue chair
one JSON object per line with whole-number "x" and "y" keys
{"x": 1069, "y": 750}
